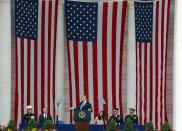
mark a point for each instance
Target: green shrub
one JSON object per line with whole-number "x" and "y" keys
{"x": 112, "y": 126}
{"x": 31, "y": 125}
{"x": 166, "y": 126}
{"x": 48, "y": 124}
{"x": 149, "y": 126}
{"x": 11, "y": 124}
{"x": 128, "y": 125}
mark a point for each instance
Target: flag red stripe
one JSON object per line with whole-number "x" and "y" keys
{"x": 54, "y": 55}
{"x": 49, "y": 54}
{"x": 43, "y": 55}
{"x": 85, "y": 68}
{"x": 28, "y": 70}
{"x": 75, "y": 49}
{"x": 151, "y": 83}
{"x": 35, "y": 78}
{"x": 104, "y": 56}
{"x": 70, "y": 80}
{"x": 121, "y": 54}
{"x": 145, "y": 82}
{"x": 114, "y": 23}
{"x": 95, "y": 79}
{"x": 156, "y": 61}
{"x": 22, "y": 75}
{"x": 16, "y": 86}
{"x": 140, "y": 71}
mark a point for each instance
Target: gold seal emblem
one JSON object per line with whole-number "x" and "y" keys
{"x": 82, "y": 114}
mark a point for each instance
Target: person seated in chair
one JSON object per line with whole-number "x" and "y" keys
{"x": 131, "y": 116}
{"x": 27, "y": 117}
{"x": 44, "y": 116}
{"x": 100, "y": 119}
{"x": 117, "y": 118}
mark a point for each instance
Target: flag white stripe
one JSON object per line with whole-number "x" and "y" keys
{"x": 109, "y": 57}
{"x": 19, "y": 79}
{"x": 46, "y": 55}
{"x": 72, "y": 72}
{"x": 143, "y": 54}
{"x": 148, "y": 82}
{"x": 99, "y": 54}
{"x": 154, "y": 62}
{"x": 90, "y": 77}
{"x": 25, "y": 75}
{"x": 138, "y": 82}
{"x": 39, "y": 57}
{"x": 80, "y": 67}
{"x": 52, "y": 48}
{"x": 118, "y": 39}
{"x": 32, "y": 73}
{"x": 159, "y": 61}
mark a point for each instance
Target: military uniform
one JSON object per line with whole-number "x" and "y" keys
{"x": 134, "y": 118}
{"x": 117, "y": 118}
{"x": 28, "y": 117}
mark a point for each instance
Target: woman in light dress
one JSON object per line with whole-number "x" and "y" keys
{"x": 100, "y": 119}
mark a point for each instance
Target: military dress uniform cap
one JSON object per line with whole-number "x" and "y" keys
{"x": 29, "y": 107}
{"x": 132, "y": 109}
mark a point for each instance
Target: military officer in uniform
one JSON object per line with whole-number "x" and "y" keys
{"x": 117, "y": 118}
{"x": 131, "y": 116}
{"x": 29, "y": 115}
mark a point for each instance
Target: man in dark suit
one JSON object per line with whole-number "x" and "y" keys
{"x": 84, "y": 104}
{"x": 117, "y": 118}
{"x": 44, "y": 116}
{"x": 131, "y": 116}
{"x": 27, "y": 117}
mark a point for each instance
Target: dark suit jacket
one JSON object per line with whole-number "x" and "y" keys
{"x": 28, "y": 117}
{"x": 42, "y": 119}
{"x": 118, "y": 119}
{"x": 134, "y": 118}
{"x": 86, "y": 106}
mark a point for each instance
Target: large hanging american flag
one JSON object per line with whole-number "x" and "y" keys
{"x": 152, "y": 20}
{"x": 95, "y": 38}
{"x": 36, "y": 29}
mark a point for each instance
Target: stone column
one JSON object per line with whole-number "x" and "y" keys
{"x": 177, "y": 88}
{"x": 5, "y": 61}
{"x": 131, "y": 58}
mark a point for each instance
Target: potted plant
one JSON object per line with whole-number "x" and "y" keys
{"x": 128, "y": 125}
{"x": 166, "y": 126}
{"x": 32, "y": 125}
{"x": 48, "y": 125}
{"x": 149, "y": 126}
{"x": 112, "y": 126}
{"x": 11, "y": 125}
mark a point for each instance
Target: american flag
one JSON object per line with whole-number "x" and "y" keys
{"x": 95, "y": 38}
{"x": 151, "y": 22}
{"x": 36, "y": 30}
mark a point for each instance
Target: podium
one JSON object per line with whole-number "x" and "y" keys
{"x": 82, "y": 119}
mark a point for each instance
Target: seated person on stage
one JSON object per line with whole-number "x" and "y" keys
{"x": 44, "y": 116}
{"x": 84, "y": 104}
{"x": 117, "y": 118}
{"x": 131, "y": 116}
{"x": 29, "y": 115}
{"x": 100, "y": 119}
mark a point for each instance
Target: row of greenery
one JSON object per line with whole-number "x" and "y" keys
{"x": 31, "y": 126}
{"x": 112, "y": 126}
